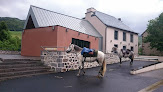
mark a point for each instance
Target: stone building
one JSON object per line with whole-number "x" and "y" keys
{"x": 146, "y": 50}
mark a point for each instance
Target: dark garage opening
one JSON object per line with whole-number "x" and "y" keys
{"x": 81, "y": 43}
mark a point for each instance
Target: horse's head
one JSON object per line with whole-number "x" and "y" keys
{"x": 70, "y": 48}
{"x": 114, "y": 50}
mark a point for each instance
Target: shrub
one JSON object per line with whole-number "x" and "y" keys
{"x": 6, "y": 41}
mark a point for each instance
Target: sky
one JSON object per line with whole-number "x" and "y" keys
{"x": 133, "y": 13}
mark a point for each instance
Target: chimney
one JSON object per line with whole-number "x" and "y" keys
{"x": 89, "y": 13}
{"x": 91, "y": 10}
{"x": 119, "y": 19}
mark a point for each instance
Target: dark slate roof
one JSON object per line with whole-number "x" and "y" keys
{"x": 112, "y": 21}
{"x": 43, "y": 18}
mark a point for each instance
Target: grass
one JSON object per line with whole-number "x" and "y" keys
{"x": 16, "y": 33}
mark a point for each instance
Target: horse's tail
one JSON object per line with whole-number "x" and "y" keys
{"x": 104, "y": 67}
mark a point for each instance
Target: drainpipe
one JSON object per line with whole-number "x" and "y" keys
{"x": 105, "y": 37}
{"x": 101, "y": 43}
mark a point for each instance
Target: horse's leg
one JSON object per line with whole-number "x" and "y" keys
{"x": 80, "y": 65}
{"x": 83, "y": 66}
{"x": 79, "y": 71}
{"x": 131, "y": 62}
{"x": 100, "y": 72}
{"x": 120, "y": 60}
{"x": 102, "y": 69}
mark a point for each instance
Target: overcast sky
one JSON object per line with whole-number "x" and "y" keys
{"x": 134, "y": 13}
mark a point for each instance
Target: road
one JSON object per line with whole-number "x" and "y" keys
{"x": 117, "y": 79}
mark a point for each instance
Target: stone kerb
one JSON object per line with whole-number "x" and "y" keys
{"x": 61, "y": 61}
{"x": 10, "y": 52}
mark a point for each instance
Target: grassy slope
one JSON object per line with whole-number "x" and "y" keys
{"x": 16, "y": 33}
{"x": 13, "y": 24}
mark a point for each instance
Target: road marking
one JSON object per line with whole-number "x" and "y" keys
{"x": 68, "y": 86}
{"x": 111, "y": 69}
{"x": 152, "y": 87}
{"x": 59, "y": 77}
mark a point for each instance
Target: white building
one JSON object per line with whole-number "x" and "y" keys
{"x": 113, "y": 30}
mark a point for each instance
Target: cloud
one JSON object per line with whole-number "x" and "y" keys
{"x": 11, "y": 8}
{"x": 134, "y": 13}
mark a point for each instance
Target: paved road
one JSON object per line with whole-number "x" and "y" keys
{"x": 117, "y": 79}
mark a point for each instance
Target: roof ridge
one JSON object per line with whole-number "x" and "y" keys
{"x": 107, "y": 14}
{"x": 55, "y": 12}
{"x": 44, "y": 20}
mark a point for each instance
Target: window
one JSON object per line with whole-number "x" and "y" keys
{"x": 124, "y": 36}
{"x": 116, "y": 35}
{"x": 81, "y": 43}
{"x": 132, "y": 48}
{"x": 116, "y": 45}
{"x": 131, "y": 38}
{"x": 124, "y": 47}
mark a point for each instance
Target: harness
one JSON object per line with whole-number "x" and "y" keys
{"x": 125, "y": 52}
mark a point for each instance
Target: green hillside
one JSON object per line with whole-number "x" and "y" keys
{"x": 14, "y": 24}
{"x": 16, "y": 33}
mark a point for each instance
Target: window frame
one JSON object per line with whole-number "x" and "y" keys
{"x": 132, "y": 48}
{"x": 131, "y": 38}
{"x": 125, "y": 47}
{"x": 115, "y": 35}
{"x": 116, "y": 45}
{"x": 124, "y": 36}
{"x": 81, "y": 43}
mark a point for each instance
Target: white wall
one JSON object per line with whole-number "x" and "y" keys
{"x": 100, "y": 27}
{"x": 110, "y": 40}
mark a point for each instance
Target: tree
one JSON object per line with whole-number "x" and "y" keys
{"x": 4, "y": 32}
{"x": 6, "y": 41}
{"x": 155, "y": 33}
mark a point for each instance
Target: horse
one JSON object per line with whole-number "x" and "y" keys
{"x": 123, "y": 53}
{"x": 100, "y": 60}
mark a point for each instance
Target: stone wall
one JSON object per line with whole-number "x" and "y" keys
{"x": 61, "y": 61}
{"x": 10, "y": 52}
{"x": 111, "y": 58}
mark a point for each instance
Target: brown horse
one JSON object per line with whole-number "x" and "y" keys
{"x": 123, "y": 53}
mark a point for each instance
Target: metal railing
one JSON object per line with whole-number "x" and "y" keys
{"x": 53, "y": 48}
